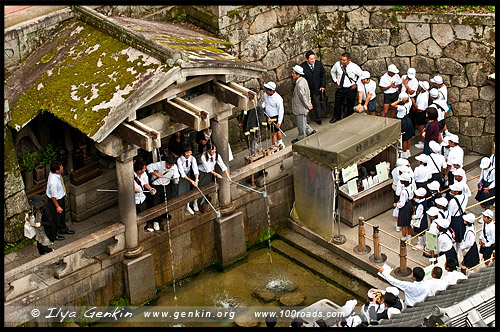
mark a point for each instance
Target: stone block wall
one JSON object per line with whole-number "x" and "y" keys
{"x": 459, "y": 47}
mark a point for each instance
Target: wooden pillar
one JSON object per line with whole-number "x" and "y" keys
{"x": 378, "y": 256}
{"x": 403, "y": 270}
{"x": 220, "y": 136}
{"x": 126, "y": 202}
{"x": 361, "y": 248}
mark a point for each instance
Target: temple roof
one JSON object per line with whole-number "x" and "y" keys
{"x": 93, "y": 81}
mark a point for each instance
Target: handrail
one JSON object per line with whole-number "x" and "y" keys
{"x": 394, "y": 251}
{"x": 66, "y": 250}
{"x": 385, "y": 232}
{"x": 492, "y": 258}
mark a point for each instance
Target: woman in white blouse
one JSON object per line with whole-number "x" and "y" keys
{"x": 208, "y": 160}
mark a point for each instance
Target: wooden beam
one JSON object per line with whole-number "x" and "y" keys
{"x": 173, "y": 91}
{"x": 154, "y": 134}
{"x": 261, "y": 164}
{"x": 233, "y": 94}
{"x": 133, "y": 135}
{"x": 184, "y": 112}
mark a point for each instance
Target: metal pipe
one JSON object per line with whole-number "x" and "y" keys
{"x": 217, "y": 213}
{"x": 263, "y": 193}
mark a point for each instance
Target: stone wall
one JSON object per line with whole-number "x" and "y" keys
{"x": 15, "y": 201}
{"x": 459, "y": 47}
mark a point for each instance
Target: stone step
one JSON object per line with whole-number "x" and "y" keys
{"x": 326, "y": 263}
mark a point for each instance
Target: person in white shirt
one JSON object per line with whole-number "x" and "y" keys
{"x": 209, "y": 159}
{"x": 141, "y": 182}
{"x": 188, "y": 171}
{"x": 421, "y": 104}
{"x": 164, "y": 175}
{"x": 468, "y": 247}
{"x": 404, "y": 205}
{"x": 437, "y": 163}
{"x": 433, "y": 215}
{"x": 345, "y": 75}
{"x": 274, "y": 111}
{"x": 442, "y": 108}
{"x": 389, "y": 84}
{"x": 366, "y": 93}
{"x": 437, "y": 82}
{"x": 486, "y": 184}
{"x": 461, "y": 179}
{"x": 422, "y": 173}
{"x": 442, "y": 206}
{"x": 415, "y": 291}
{"x": 419, "y": 214}
{"x": 403, "y": 107}
{"x": 433, "y": 193}
{"x": 456, "y": 154}
{"x": 457, "y": 207}
{"x": 487, "y": 235}
{"x": 435, "y": 283}
{"x": 452, "y": 276}
{"x": 444, "y": 240}
{"x": 56, "y": 193}
{"x": 445, "y": 146}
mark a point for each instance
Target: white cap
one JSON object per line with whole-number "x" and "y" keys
{"x": 437, "y": 79}
{"x": 434, "y": 93}
{"x": 403, "y": 95}
{"x": 435, "y": 147}
{"x": 411, "y": 73}
{"x": 404, "y": 169}
{"x": 422, "y": 157}
{"x": 393, "y": 69}
{"x": 456, "y": 187}
{"x": 441, "y": 222}
{"x": 401, "y": 162}
{"x": 459, "y": 172}
{"x": 434, "y": 185}
{"x": 453, "y": 138}
{"x": 372, "y": 292}
{"x": 469, "y": 217}
{"x": 348, "y": 307}
{"x": 421, "y": 192}
{"x": 392, "y": 290}
{"x": 365, "y": 74}
{"x": 485, "y": 162}
{"x": 298, "y": 69}
{"x": 488, "y": 213}
{"x": 445, "y": 141}
{"x": 441, "y": 201}
{"x": 433, "y": 211}
{"x": 405, "y": 176}
{"x": 270, "y": 86}
{"x": 424, "y": 84}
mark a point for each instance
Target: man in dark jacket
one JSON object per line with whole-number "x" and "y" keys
{"x": 315, "y": 75}
{"x": 251, "y": 121}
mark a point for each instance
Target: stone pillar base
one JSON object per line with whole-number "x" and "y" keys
{"x": 230, "y": 238}
{"x": 134, "y": 252}
{"x": 139, "y": 279}
{"x": 227, "y": 210}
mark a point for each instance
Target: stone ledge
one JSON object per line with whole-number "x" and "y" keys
{"x": 445, "y": 18}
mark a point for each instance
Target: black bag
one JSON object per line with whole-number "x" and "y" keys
{"x": 324, "y": 106}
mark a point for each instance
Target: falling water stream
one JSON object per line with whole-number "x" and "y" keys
{"x": 170, "y": 242}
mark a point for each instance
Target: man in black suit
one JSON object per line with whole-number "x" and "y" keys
{"x": 315, "y": 75}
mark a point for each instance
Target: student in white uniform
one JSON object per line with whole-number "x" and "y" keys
{"x": 420, "y": 214}
{"x": 188, "y": 170}
{"x": 461, "y": 179}
{"x": 415, "y": 291}
{"x": 437, "y": 82}
{"x": 405, "y": 206}
{"x": 389, "y": 83}
{"x": 422, "y": 173}
{"x": 457, "y": 207}
{"x": 403, "y": 106}
{"x": 435, "y": 283}
{"x": 487, "y": 235}
{"x": 437, "y": 163}
{"x": 274, "y": 110}
{"x": 366, "y": 93}
{"x": 433, "y": 193}
{"x": 452, "y": 276}
{"x": 432, "y": 215}
{"x": 164, "y": 174}
{"x": 456, "y": 154}
{"x": 486, "y": 184}
{"x": 444, "y": 240}
{"x": 141, "y": 182}
{"x": 468, "y": 247}
{"x": 421, "y": 104}
{"x": 442, "y": 205}
{"x": 209, "y": 159}
{"x": 442, "y": 108}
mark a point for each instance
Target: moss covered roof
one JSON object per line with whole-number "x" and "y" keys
{"x": 82, "y": 79}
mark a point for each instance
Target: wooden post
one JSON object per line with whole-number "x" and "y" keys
{"x": 361, "y": 248}
{"x": 377, "y": 256}
{"x": 403, "y": 269}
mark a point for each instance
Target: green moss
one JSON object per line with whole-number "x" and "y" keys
{"x": 237, "y": 12}
{"x": 196, "y": 48}
{"x": 15, "y": 246}
{"x": 265, "y": 234}
{"x": 68, "y": 92}
{"x": 11, "y": 164}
